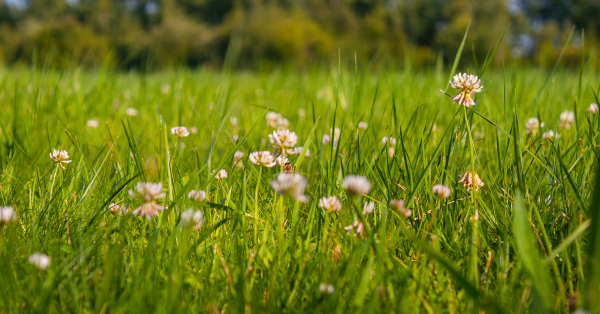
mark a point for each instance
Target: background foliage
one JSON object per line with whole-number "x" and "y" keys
{"x": 161, "y": 33}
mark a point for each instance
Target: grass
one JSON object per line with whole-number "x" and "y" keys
{"x": 532, "y": 247}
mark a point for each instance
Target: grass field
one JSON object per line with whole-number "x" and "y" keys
{"x": 527, "y": 241}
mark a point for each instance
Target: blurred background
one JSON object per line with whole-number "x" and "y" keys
{"x": 158, "y": 34}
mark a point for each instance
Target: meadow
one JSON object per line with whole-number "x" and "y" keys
{"x": 257, "y": 241}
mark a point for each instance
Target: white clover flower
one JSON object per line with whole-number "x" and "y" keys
{"x": 368, "y": 208}
{"x": 441, "y": 191}
{"x": 398, "y": 206}
{"x": 356, "y": 185}
{"x": 335, "y": 133}
{"x": 290, "y": 184}
{"x": 198, "y": 196}
{"x": 566, "y": 118}
{"x": 330, "y": 204}
{"x": 237, "y": 159}
{"x": 60, "y": 157}
{"x": 165, "y": 88}
{"x": 149, "y": 192}
{"x": 326, "y": 289}
{"x": 392, "y": 140}
{"x": 117, "y": 209}
{"x": 326, "y": 139}
{"x": 92, "y": 123}
{"x": 470, "y": 180}
{"x": 272, "y": 118}
{"x": 194, "y": 130}
{"x": 358, "y": 227}
{"x": 532, "y": 126}
{"x": 363, "y": 125}
{"x": 549, "y": 135}
{"x": 39, "y": 260}
{"x": 282, "y": 124}
{"x": 238, "y": 155}
{"x": 391, "y": 151}
{"x": 281, "y": 160}
{"x": 283, "y": 140}
{"x": 469, "y": 84}
{"x": 298, "y": 151}
{"x": 132, "y": 112}
{"x": 233, "y": 120}
{"x": 593, "y": 109}
{"x": 263, "y": 158}
{"x": 7, "y": 215}
{"x": 301, "y": 113}
{"x": 222, "y": 174}
{"x": 180, "y": 131}
{"x": 193, "y": 219}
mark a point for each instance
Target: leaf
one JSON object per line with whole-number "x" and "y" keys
{"x": 530, "y": 257}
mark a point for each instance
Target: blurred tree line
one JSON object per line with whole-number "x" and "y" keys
{"x": 162, "y": 33}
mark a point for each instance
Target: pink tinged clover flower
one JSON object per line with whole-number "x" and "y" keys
{"x": 468, "y": 84}
{"x": 60, "y": 157}
{"x": 290, "y": 184}
{"x": 148, "y": 192}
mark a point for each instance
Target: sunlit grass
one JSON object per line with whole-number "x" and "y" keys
{"x": 520, "y": 243}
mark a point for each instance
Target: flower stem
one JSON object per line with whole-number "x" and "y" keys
{"x": 53, "y": 179}
{"x": 256, "y": 207}
{"x": 474, "y": 240}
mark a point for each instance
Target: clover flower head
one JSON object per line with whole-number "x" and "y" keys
{"x": 221, "y": 174}
{"x": 180, "y": 131}
{"x": 330, "y": 204}
{"x": 92, "y": 123}
{"x": 132, "y": 112}
{"x": 392, "y": 140}
{"x": 358, "y": 227}
{"x": 566, "y": 118}
{"x": 198, "y": 196}
{"x": 272, "y": 118}
{"x": 298, "y": 151}
{"x": 532, "y": 126}
{"x": 149, "y": 192}
{"x": 117, "y": 209}
{"x": 7, "y": 215}
{"x": 60, "y": 157}
{"x": 368, "y": 208}
{"x": 326, "y": 289}
{"x": 263, "y": 158}
{"x": 441, "y": 191}
{"x": 283, "y": 139}
{"x": 193, "y": 219}
{"x": 470, "y": 180}
{"x": 281, "y": 160}
{"x": 468, "y": 84}
{"x": 39, "y": 260}
{"x": 549, "y": 135}
{"x": 357, "y": 185}
{"x": 398, "y": 206}
{"x": 593, "y": 109}
{"x": 290, "y": 184}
